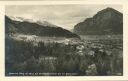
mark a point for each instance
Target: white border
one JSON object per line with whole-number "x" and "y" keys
{"x": 64, "y": 78}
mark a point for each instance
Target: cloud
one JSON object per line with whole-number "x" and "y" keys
{"x": 65, "y": 16}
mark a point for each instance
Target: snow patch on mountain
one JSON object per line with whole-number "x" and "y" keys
{"x": 38, "y": 21}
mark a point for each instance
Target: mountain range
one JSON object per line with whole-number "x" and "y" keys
{"x": 37, "y": 28}
{"x": 39, "y": 21}
{"x": 106, "y": 22}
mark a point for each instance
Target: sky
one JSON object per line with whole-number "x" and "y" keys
{"x": 66, "y": 16}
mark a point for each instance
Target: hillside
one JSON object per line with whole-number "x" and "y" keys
{"x": 31, "y": 28}
{"x": 106, "y": 22}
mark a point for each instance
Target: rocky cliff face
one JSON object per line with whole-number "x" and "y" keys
{"x": 106, "y": 22}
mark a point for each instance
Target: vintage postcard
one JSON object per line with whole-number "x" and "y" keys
{"x": 61, "y": 39}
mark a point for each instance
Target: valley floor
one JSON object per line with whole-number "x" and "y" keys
{"x": 90, "y": 56}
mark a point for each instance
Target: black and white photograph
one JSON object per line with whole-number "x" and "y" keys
{"x": 64, "y": 40}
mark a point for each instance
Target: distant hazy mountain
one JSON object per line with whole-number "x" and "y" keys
{"x": 33, "y": 28}
{"x": 105, "y": 22}
{"x": 40, "y": 22}
{"x": 45, "y": 23}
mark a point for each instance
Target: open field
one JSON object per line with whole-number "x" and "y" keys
{"x": 98, "y": 37}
